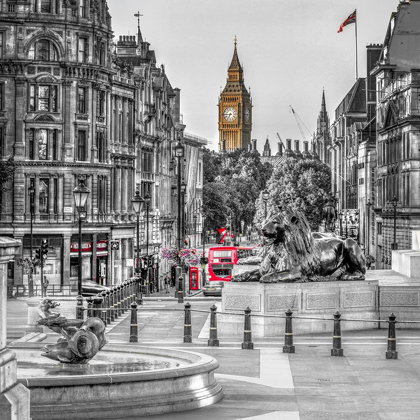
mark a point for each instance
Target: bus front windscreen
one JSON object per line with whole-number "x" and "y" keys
{"x": 222, "y": 271}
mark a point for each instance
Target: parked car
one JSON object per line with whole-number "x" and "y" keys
{"x": 213, "y": 289}
{"x": 91, "y": 288}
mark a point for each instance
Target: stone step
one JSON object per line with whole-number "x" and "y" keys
{"x": 406, "y": 262}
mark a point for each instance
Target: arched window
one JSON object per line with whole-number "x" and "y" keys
{"x": 43, "y": 50}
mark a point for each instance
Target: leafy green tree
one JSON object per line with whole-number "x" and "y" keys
{"x": 232, "y": 183}
{"x": 303, "y": 184}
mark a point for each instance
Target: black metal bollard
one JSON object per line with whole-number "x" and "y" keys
{"x": 139, "y": 296}
{"x": 392, "y": 338}
{"x": 112, "y": 305}
{"x": 115, "y": 302}
{"x": 337, "y": 350}
{"x": 134, "y": 332}
{"x": 180, "y": 290}
{"x": 187, "y": 324}
{"x": 288, "y": 335}
{"x": 108, "y": 305}
{"x": 97, "y": 306}
{"x": 80, "y": 308}
{"x": 213, "y": 341}
{"x": 119, "y": 301}
{"x": 247, "y": 343}
{"x": 89, "y": 301}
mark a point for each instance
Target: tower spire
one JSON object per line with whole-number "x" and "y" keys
{"x": 235, "y": 64}
{"x": 139, "y": 37}
{"x": 323, "y": 106}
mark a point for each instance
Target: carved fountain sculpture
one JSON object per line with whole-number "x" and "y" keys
{"x": 81, "y": 339}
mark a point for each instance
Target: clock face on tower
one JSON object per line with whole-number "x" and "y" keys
{"x": 229, "y": 114}
{"x": 247, "y": 115}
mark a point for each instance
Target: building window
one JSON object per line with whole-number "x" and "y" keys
{"x": 44, "y": 184}
{"x": 101, "y": 194}
{"x": 43, "y": 98}
{"x": 82, "y": 100}
{"x": 43, "y": 50}
{"x": 101, "y": 146}
{"x": 147, "y": 162}
{"x": 42, "y": 139}
{"x": 100, "y": 103}
{"x": 379, "y": 228}
{"x": 2, "y": 144}
{"x": 45, "y": 6}
{"x": 31, "y": 145}
{"x": 54, "y": 145}
{"x": 55, "y": 198}
{"x": 81, "y": 145}
{"x": 82, "y": 4}
{"x": 1, "y": 44}
{"x": 82, "y": 50}
{"x": 102, "y": 54}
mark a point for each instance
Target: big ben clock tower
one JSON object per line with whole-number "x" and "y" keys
{"x": 235, "y": 110}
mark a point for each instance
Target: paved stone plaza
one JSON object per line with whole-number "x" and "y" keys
{"x": 266, "y": 384}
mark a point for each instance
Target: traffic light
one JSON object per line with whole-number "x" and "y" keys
{"x": 44, "y": 248}
{"x": 38, "y": 253}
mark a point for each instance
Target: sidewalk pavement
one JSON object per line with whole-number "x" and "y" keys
{"x": 265, "y": 384}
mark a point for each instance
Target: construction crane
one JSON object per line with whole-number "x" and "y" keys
{"x": 298, "y": 122}
{"x": 281, "y": 141}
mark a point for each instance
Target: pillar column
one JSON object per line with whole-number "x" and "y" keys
{"x": 14, "y": 397}
{"x": 20, "y": 113}
{"x": 60, "y": 197}
{"x": 51, "y": 195}
{"x": 66, "y": 259}
{"x": 94, "y": 194}
{"x": 124, "y": 189}
{"x": 93, "y": 267}
{"x": 36, "y": 198}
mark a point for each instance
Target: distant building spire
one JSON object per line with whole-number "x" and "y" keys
{"x": 139, "y": 37}
{"x": 235, "y": 64}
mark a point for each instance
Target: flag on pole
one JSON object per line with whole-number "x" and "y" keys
{"x": 348, "y": 21}
{"x": 221, "y": 235}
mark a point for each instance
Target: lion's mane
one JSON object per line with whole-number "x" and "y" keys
{"x": 299, "y": 244}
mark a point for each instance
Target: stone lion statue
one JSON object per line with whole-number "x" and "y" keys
{"x": 292, "y": 252}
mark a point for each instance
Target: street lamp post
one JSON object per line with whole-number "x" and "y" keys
{"x": 179, "y": 153}
{"x": 183, "y": 192}
{"x": 395, "y": 204}
{"x": 368, "y": 205}
{"x": 137, "y": 203}
{"x": 147, "y": 202}
{"x": 265, "y": 197}
{"x": 195, "y": 229}
{"x": 80, "y": 195}
{"x": 31, "y": 193}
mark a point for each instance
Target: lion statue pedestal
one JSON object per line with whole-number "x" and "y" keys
{"x": 353, "y": 299}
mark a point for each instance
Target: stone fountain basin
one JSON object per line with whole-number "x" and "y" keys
{"x": 173, "y": 381}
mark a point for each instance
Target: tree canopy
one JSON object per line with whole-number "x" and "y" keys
{"x": 303, "y": 184}
{"x": 232, "y": 183}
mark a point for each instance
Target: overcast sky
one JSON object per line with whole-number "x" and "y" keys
{"x": 290, "y": 51}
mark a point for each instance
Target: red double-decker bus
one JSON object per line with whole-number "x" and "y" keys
{"x": 221, "y": 262}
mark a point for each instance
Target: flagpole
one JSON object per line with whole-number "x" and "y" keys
{"x": 355, "y": 31}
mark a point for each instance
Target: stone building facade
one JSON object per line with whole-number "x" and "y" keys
{"x": 73, "y": 110}
{"x": 397, "y": 76}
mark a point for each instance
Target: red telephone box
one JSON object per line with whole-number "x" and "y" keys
{"x": 194, "y": 279}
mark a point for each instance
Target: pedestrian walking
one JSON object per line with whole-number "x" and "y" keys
{"x": 45, "y": 285}
{"x": 166, "y": 280}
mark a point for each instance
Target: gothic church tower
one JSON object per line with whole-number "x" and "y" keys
{"x": 235, "y": 110}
